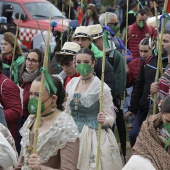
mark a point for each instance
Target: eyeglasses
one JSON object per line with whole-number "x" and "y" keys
{"x": 31, "y": 61}
{"x": 144, "y": 51}
{"x": 113, "y": 24}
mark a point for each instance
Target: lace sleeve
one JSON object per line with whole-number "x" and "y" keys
{"x": 8, "y": 136}
{"x": 108, "y": 109}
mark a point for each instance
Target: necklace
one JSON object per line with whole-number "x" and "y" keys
{"x": 48, "y": 114}
{"x": 85, "y": 79}
{"x": 76, "y": 100}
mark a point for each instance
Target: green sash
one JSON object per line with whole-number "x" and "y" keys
{"x": 96, "y": 51}
{"x": 15, "y": 69}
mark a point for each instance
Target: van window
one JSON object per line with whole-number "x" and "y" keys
{"x": 17, "y": 9}
{"x": 43, "y": 11}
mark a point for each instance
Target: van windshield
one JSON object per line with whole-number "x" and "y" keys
{"x": 41, "y": 10}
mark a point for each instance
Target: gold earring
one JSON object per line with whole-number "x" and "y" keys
{"x": 54, "y": 105}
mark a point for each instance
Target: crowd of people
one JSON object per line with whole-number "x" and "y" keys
{"x": 75, "y": 100}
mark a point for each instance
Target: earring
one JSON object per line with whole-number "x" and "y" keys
{"x": 54, "y": 105}
{"x": 66, "y": 95}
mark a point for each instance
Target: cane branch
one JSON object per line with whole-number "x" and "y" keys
{"x": 15, "y": 43}
{"x": 158, "y": 72}
{"x": 101, "y": 99}
{"x": 45, "y": 64}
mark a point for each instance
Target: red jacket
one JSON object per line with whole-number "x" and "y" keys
{"x": 132, "y": 74}
{"x": 26, "y": 93}
{"x": 136, "y": 34}
{"x": 11, "y": 102}
{"x": 168, "y": 7}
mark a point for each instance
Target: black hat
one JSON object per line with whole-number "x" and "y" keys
{"x": 7, "y": 8}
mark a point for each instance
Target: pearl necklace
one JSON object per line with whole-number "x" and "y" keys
{"x": 85, "y": 79}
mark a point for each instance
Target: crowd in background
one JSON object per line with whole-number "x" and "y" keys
{"x": 70, "y": 108}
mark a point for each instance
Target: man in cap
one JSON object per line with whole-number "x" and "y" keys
{"x": 82, "y": 36}
{"x": 10, "y": 26}
{"x": 117, "y": 61}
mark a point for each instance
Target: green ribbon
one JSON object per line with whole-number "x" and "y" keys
{"x": 15, "y": 70}
{"x": 82, "y": 5}
{"x": 69, "y": 27}
{"x": 132, "y": 12}
{"x": 105, "y": 38}
{"x": 167, "y": 16}
{"x": 167, "y": 143}
{"x": 71, "y": 30}
{"x": 96, "y": 51}
{"x": 48, "y": 80}
{"x": 5, "y": 65}
{"x": 49, "y": 53}
{"x": 123, "y": 33}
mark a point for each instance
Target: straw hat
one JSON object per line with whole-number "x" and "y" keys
{"x": 69, "y": 48}
{"x": 82, "y": 31}
{"x": 96, "y": 31}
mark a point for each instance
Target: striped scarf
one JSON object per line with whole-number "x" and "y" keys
{"x": 164, "y": 84}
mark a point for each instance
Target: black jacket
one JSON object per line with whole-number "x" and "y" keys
{"x": 140, "y": 97}
{"x": 11, "y": 27}
{"x": 109, "y": 77}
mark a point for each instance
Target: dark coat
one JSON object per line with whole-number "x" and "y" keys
{"x": 117, "y": 61}
{"x": 11, "y": 27}
{"x": 11, "y": 102}
{"x": 109, "y": 76}
{"x": 140, "y": 97}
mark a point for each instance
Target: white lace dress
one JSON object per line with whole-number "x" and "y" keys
{"x": 110, "y": 156}
{"x": 50, "y": 141}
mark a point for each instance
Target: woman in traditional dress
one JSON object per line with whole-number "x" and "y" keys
{"x": 152, "y": 148}
{"x": 58, "y": 144}
{"x": 83, "y": 105}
